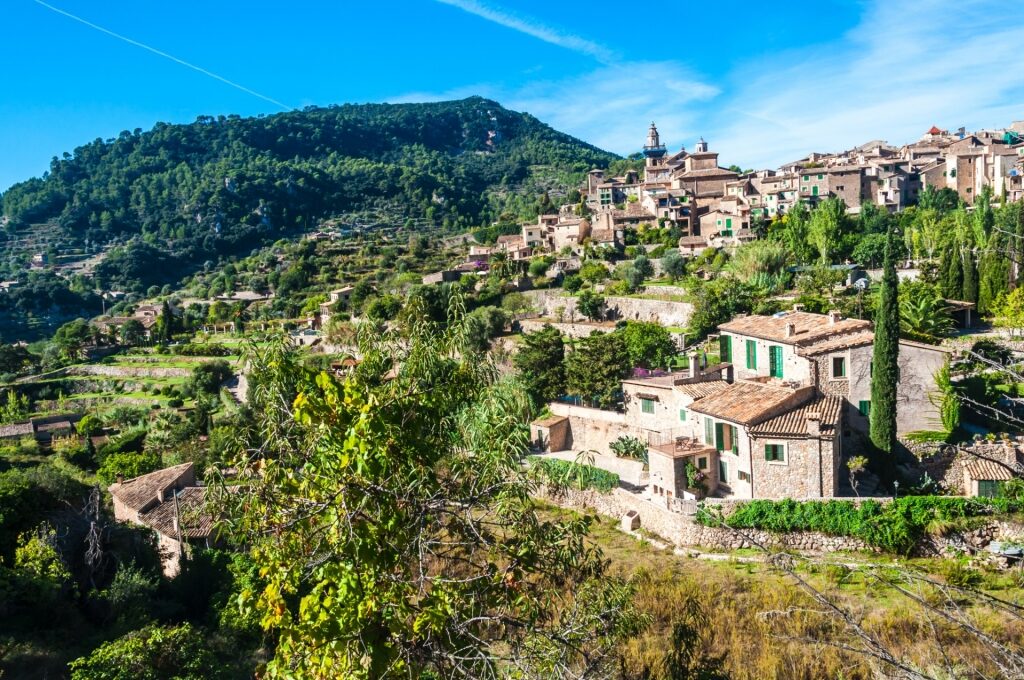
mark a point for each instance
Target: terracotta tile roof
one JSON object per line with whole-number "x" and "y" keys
{"x": 809, "y": 328}
{"x": 195, "y": 522}
{"x": 708, "y": 172}
{"x": 139, "y": 493}
{"x": 839, "y": 342}
{"x": 693, "y": 241}
{"x": 987, "y": 470}
{"x": 699, "y": 390}
{"x": 794, "y": 423}
{"x": 745, "y": 402}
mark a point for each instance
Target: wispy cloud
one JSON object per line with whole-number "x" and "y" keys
{"x": 905, "y": 67}
{"x": 533, "y": 28}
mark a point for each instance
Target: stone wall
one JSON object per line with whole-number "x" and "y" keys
{"x": 680, "y": 528}
{"x": 593, "y": 429}
{"x": 548, "y": 303}
{"x": 571, "y": 330}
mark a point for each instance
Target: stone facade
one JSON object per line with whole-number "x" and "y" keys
{"x": 667, "y": 313}
{"x": 810, "y": 468}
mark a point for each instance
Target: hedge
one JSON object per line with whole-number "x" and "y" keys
{"x": 893, "y": 527}
{"x": 568, "y": 473}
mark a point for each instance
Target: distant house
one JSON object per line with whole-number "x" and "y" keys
{"x": 171, "y": 503}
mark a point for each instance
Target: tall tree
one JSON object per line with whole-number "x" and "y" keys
{"x": 392, "y": 518}
{"x": 970, "y": 293}
{"x": 540, "y": 362}
{"x": 595, "y": 368}
{"x": 952, "y": 272}
{"x": 826, "y": 227}
{"x": 885, "y": 373}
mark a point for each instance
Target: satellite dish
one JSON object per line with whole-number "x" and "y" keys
{"x": 861, "y": 284}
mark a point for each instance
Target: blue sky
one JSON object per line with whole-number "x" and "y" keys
{"x": 764, "y": 84}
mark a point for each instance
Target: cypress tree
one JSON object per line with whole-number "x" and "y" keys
{"x": 952, "y": 273}
{"x": 970, "y": 276}
{"x": 885, "y": 373}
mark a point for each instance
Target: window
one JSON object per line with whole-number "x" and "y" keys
{"x": 682, "y": 414}
{"x": 709, "y": 432}
{"x": 814, "y": 190}
{"x": 752, "y": 355}
{"x": 743, "y": 476}
{"x": 864, "y": 406}
{"x": 723, "y": 471}
{"x": 702, "y": 463}
{"x": 952, "y": 173}
{"x": 807, "y": 178}
{"x": 725, "y": 348}
{"x": 728, "y": 223}
{"x": 821, "y": 176}
{"x": 775, "y": 452}
{"x": 775, "y": 361}
{"x": 718, "y": 223}
{"x": 726, "y": 438}
{"x": 838, "y": 367}
{"x": 989, "y": 488}
{"x": 647, "y": 405}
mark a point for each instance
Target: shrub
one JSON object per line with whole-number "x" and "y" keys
{"x": 202, "y": 350}
{"x": 566, "y": 473}
{"x": 127, "y": 465}
{"x": 894, "y": 527}
{"x": 176, "y": 402}
{"x": 630, "y": 447}
{"x": 150, "y": 653}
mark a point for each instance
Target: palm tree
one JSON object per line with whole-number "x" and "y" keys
{"x": 926, "y": 315}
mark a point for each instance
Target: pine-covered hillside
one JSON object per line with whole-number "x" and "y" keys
{"x": 224, "y": 185}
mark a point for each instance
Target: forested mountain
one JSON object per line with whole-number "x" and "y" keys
{"x": 225, "y": 185}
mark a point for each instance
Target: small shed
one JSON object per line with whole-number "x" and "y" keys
{"x": 551, "y": 434}
{"x": 985, "y": 477}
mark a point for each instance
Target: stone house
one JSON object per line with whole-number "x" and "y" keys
{"x": 171, "y": 503}
{"x": 834, "y": 356}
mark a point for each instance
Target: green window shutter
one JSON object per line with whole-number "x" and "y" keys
{"x": 720, "y": 436}
{"x": 682, "y": 414}
{"x": 734, "y": 436}
{"x": 838, "y": 367}
{"x": 775, "y": 452}
{"x": 751, "y": 355}
{"x": 725, "y": 348}
{"x": 775, "y": 361}
{"x": 864, "y": 407}
{"x": 647, "y": 405}
{"x": 709, "y": 431}
{"x": 723, "y": 471}
{"x": 728, "y": 223}
{"x": 821, "y": 176}
{"x": 814, "y": 190}
{"x": 988, "y": 488}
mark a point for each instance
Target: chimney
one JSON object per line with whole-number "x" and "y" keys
{"x": 120, "y": 478}
{"x": 160, "y": 494}
{"x": 814, "y": 424}
{"x": 694, "y": 365}
{"x": 798, "y": 307}
{"x": 790, "y": 329}
{"x": 834, "y": 317}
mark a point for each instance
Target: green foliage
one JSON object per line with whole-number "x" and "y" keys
{"x": 947, "y": 399}
{"x": 483, "y": 324}
{"x": 714, "y": 303}
{"x": 673, "y": 265}
{"x": 885, "y": 371}
{"x": 923, "y": 311}
{"x": 567, "y": 474}
{"x": 595, "y": 368}
{"x": 649, "y": 344}
{"x": 894, "y": 527}
{"x": 540, "y": 364}
{"x": 425, "y": 537}
{"x": 593, "y": 271}
{"x": 89, "y": 425}
{"x": 15, "y": 407}
{"x": 209, "y": 376}
{"x": 759, "y": 257}
{"x": 590, "y": 305}
{"x": 152, "y": 653}
{"x": 127, "y": 465}
{"x": 630, "y": 447}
